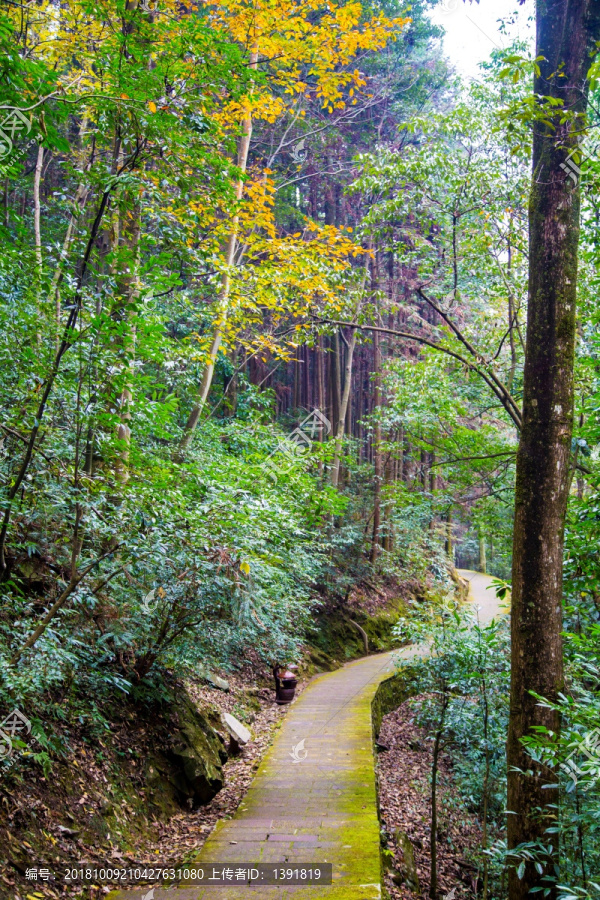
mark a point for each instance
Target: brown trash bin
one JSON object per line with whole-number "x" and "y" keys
{"x": 285, "y": 684}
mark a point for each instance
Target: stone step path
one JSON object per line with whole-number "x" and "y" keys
{"x": 322, "y": 807}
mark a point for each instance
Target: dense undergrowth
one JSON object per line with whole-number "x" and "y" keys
{"x": 463, "y": 707}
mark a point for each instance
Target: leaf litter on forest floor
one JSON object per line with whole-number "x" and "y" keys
{"x": 404, "y": 772}
{"x": 167, "y": 843}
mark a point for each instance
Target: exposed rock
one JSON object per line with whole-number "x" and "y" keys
{"x": 217, "y": 681}
{"x": 410, "y": 874}
{"x": 461, "y": 585}
{"x": 67, "y": 831}
{"x": 239, "y": 734}
{"x": 190, "y": 771}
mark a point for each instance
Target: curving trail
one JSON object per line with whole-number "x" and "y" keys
{"x": 324, "y": 807}
{"x": 483, "y": 596}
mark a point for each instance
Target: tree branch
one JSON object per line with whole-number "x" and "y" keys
{"x": 72, "y": 585}
{"x": 507, "y": 398}
{"x": 502, "y": 395}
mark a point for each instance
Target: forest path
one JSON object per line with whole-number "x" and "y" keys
{"x": 314, "y": 797}
{"x": 483, "y": 596}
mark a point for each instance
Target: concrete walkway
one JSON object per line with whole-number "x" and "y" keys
{"x": 322, "y": 808}
{"x": 484, "y": 596}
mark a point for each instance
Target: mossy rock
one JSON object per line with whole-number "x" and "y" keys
{"x": 189, "y": 771}
{"x": 380, "y": 628}
{"x": 336, "y": 640}
{"x": 461, "y": 585}
{"x": 197, "y": 753}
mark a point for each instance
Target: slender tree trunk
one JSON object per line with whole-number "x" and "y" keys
{"x": 37, "y": 211}
{"x": 332, "y": 400}
{"x": 511, "y": 318}
{"x": 306, "y": 379}
{"x": 49, "y": 383}
{"x": 320, "y": 377}
{"x": 78, "y": 206}
{"x": 297, "y": 382}
{"x": 566, "y": 36}
{"x": 449, "y": 547}
{"x": 345, "y": 392}
{"x": 339, "y": 435}
{"x": 432, "y": 487}
{"x": 433, "y": 877}
{"x": 482, "y": 557}
{"x": 402, "y": 460}
{"x": 389, "y": 473}
{"x": 337, "y": 377}
{"x": 223, "y": 301}
{"x": 376, "y": 447}
{"x": 129, "y": 289}
{"x": 580, "y": 481}
{"x": 486, "y": 781}
{"x": 37, "y": 180}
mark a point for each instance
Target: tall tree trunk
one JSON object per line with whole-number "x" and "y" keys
{"x": 320, "y": 378}
{"x": 337, "y": 376}
{"x": 511, "y": 323}
{"x": 37, "y": 206}
{"x": 566, "y": 35}
{"x": 78, "y": 207}
{"x": 482, "y": 557}
{"x": 223, "y": 300}
{"x": 403, "y": 453}
{"x": 339, "y": 434}
{"x": 345, "y": 391}
{"x": 306, "y": 373}
{"x": 297, "y": 382}
{"x": 448, "y": 546}
{"x": 437, "y": 747}
{"x": 129, "y": 289}
{"x": 432, "y": 473}
{"x": 376, "y": 446}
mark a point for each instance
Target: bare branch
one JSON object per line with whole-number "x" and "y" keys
{"x": 500, "y": 392}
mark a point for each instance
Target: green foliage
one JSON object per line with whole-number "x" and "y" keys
{"x": 463, "y": 680}
{"x": 230, "y": 559}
